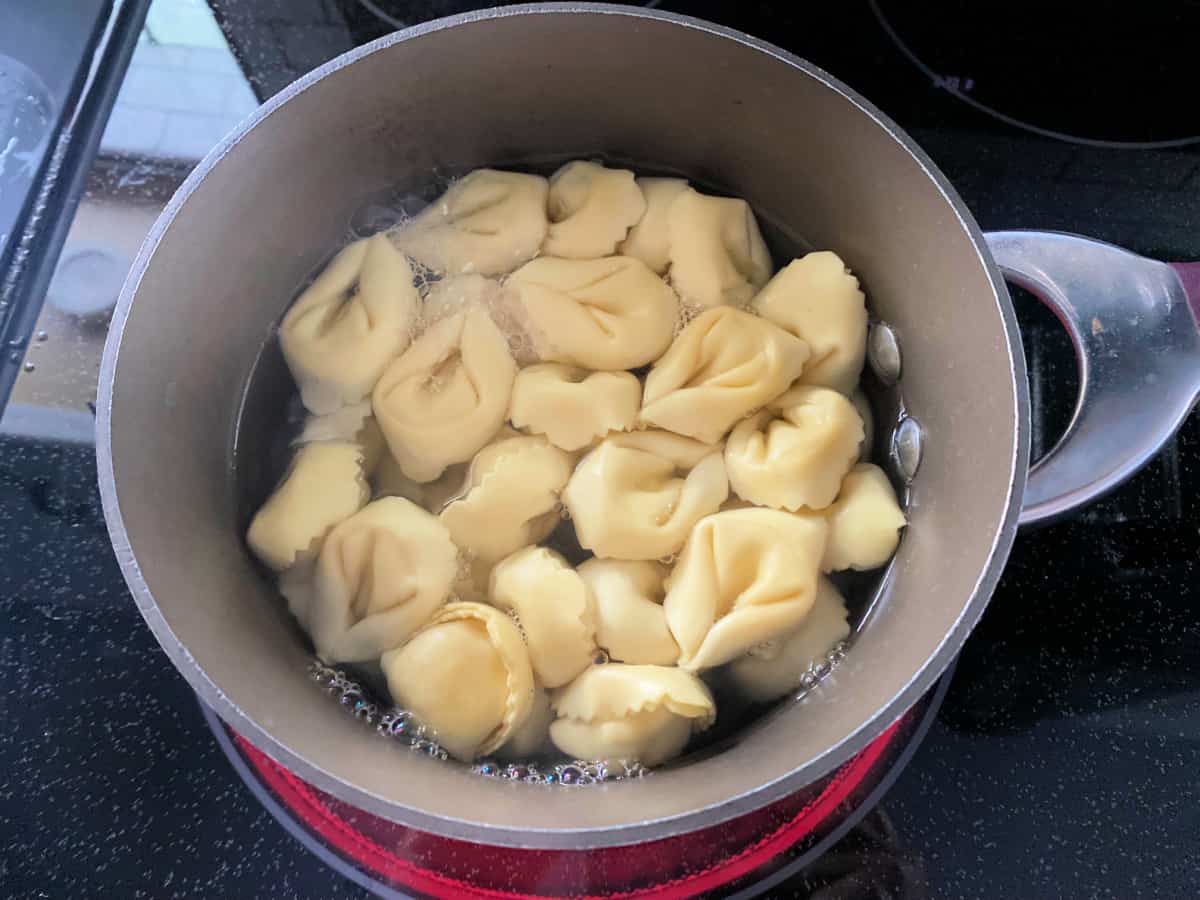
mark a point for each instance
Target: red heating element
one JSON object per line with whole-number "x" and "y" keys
{"x": 681, "y": 866}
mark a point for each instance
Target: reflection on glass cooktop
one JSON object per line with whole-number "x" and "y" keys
{"x": 1064, "y": 760}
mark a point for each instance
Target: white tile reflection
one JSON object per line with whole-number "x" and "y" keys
{"x": 184, "y": 90}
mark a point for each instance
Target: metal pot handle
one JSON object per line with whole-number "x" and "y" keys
{"x": 1136, "y": 340}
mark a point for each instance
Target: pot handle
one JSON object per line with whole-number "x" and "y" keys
{"x": 1133, "y": 322}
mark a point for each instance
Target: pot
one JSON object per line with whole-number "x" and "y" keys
{"x": 819, "y": 164}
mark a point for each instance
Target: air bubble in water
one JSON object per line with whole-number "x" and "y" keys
{"x": 687, "y": 313}
{"x": 516, "y": 620}
{"x": 374, "y": 218}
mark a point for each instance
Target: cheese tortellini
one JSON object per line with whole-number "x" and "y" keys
{"x": 624, "y": 712}
{"x": 466, "y": 675}
{"x": 725, "y": 364}
{"x": 717, "y": 254}
{"x": 381, "y": 575}
{"x": 795, "y": 453}
{"x": 864, "y": 521}
{"x": 649, "y": 240}
{"x": 591, "y": 210}
{"x": 352, "y": 424}
{"x": 637, "y": 495}
{"x": 778, "y": 667}
{"x": 863, "y": 406}
{"x": 324, "y": 485}
{"x": 818, "y": 300}
{"x": 631, "y": 625}
{"x": 554, "y": 608}
{"x": 599, "y": 452}
{"x": 532, "y": 738}
{"x": 487, "y": 223}
{"x": 573, "y": 407}
{"x": 510, "y": 499}
{"x": 604, "y": 314}
{"x": 351, "y": 322}
{"x": 447, "y": 395}
{"x": 744, "y": 576}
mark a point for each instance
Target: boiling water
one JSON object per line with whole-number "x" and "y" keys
{"x": 272, "y": 415}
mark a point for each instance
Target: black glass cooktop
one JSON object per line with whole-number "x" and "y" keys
{"x": 1064, "y": 760}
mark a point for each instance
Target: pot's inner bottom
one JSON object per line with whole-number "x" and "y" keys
{"x": 272, "y": 415}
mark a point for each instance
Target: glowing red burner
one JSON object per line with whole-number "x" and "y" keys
{"x": 733, "y": 853}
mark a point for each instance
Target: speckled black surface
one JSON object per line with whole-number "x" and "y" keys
{"x": 1064, "y": 762}
{"x": 110, "y": 782}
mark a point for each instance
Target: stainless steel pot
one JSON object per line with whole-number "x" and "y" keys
{"x": 815, "y": 159}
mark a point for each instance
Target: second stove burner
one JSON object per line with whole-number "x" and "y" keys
{"x": 1069, "y": 71}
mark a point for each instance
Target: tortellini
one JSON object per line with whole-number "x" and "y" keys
{"x": 744, "y": 576}
{"x": 573, "y": 407}
{"x": 771, "y": 672}
{"x": 349, "y": 324}
{"x": 795, "y": 453}
{"x": 296, "y": 586}
{"x": 447, "y": 395}
{"x": 724, "y": 365}
{"x": 864, "y": 521}
{"x": 863, "y": 406}
{"x": 630, "y": 623}
{"x": 605, "y": 314}
{"x": 602, "y": 364}
{"x": 591, "y": 210}
{"x": 381, "y": 575}
{"x": 716, "y": 251}
{"x": 324, "y": 485}
{"x": 555, "y": 610}
{"x": 352, "y": 424}
{"x": 487, "y": 223}
{"x": 649, "y": 240}
{"x": 466, "y": 675}
{"x": 629, "y": 499}
{"x": 533, "y": 737}
{"x": 818, "y": 300}
{"x": 510, "y": 499}
{"x": 624, "y": 712}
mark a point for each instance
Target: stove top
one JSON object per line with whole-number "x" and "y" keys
{"x": 1063, "y": 761}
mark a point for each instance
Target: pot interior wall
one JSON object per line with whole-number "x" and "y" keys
{"x": 510, "y": 89}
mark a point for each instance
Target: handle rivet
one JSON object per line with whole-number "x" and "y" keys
{"x": 908, "y": 441}
{"x": 883, "y": 352}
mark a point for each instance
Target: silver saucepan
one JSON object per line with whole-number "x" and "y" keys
{"x": 819, "y": 164}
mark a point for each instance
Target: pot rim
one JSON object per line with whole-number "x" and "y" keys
{"x": 562, "y": 838}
